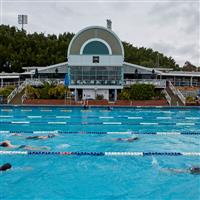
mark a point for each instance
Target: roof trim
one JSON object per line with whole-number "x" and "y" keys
{"x": 142, "y": 67}
{"x": 49, "y": 67}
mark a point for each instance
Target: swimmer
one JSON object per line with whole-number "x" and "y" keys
{"x": 7, "y": 144}
{"x": 16, "y": 134}
{"x": 43, "y": 137}
{"x": 109, "y": 108}
{"x": 191, "y": 170}
{"x": 126, "y": 139}
{"x": 5, "y": 167}
{"x": 85, "y": 107}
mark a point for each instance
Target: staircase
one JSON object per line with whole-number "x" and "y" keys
{"x": 17, "y": 99}
{"x": 15, "y": 96}
{"x": 177, "y": 99}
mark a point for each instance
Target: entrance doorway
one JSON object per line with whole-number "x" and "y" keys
{"x": 111, "y": 95}
{"x": 79, "y": 94}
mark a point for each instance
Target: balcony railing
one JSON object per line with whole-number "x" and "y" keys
{"x": 96, "y": 82}
{"x": 157, "y": 83}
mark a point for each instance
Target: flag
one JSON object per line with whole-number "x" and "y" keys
{"x": 67, "y": 80}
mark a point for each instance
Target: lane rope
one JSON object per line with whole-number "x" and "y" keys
{"x": 101, "y": 132}
{"x": 104, "y": 123}
{"x": 97, "y": 117}
{"x": 100, "y": 153}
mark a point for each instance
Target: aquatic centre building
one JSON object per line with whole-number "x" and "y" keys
{"x": 96, "y": 66}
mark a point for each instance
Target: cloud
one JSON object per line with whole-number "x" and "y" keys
{"x": 170, "y": 27}
{"x": 182, "y": 53}
{"x": 185, "y": 14}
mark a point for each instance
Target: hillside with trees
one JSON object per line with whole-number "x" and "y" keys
{"x": 19, "y": 49}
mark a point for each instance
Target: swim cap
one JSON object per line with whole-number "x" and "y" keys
{"x": 51, "y": 135}
{"x": 5, "y": 167}
{"x": 4, "y": 144}
{"x": 195, "y": 170}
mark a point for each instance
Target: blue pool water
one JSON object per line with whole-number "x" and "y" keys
{"x": 101, "y": 177}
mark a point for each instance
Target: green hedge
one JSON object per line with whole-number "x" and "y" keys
{"x": 140, "y": 92}
{"x": 6, "y": 90}
{"x": 48, "y": 91}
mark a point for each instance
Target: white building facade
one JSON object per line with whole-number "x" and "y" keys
{"x": 95, "y": 63}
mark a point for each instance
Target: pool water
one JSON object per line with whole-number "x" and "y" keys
{"x": 94, "y": 130}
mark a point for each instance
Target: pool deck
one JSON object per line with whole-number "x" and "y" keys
{"x": 96, "y": 102}
{"x": 101, "y": 106}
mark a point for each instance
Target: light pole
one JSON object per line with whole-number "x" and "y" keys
{"x": 22, "y": 19}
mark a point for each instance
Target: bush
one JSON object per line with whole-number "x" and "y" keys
{"x": 58, "y": 92}
{"x": 124, "y": 95}
{"x": 32, "y": 93}
{"x": 6, "y": 90}
{"x": 48, "y": 91}
{"x": 190, "y": 99}
{"x": 99, "y": 97}
{"x": 140, "y": 92}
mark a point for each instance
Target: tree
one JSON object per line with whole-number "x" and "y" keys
{"x": 189, "y": 67}
{"x": 21, "y": 49}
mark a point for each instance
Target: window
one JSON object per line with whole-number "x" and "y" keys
{"x": 95, "y": 48}
{"x": 96, "y": 75}
{"x": 95, "y": 59}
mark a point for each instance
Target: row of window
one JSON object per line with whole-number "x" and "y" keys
{"x": 96, "y": 82}
{"x": 96, "y": 75}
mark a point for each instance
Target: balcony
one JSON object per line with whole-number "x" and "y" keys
{"x": 157, "y": 83}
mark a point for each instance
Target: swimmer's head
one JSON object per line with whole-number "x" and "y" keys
{"x": 195, "y": 170}
{"x": 132, "y": 139}
{"x": 51, "y": 135}
{"x": 119, "y": 139}
{"x": 5, "y": 143}
{"x": 5, "y": 167}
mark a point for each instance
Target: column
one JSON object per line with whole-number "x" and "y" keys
{"x": 191, "y": 81}
{"x": 75, "y": 93}
{"x": 115, "y": 94}
{"x": 1, "y": 82}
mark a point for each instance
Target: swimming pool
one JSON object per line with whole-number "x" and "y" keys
{"x": 58, "y": 176}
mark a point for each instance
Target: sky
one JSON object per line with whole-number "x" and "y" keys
{"x": 170, "y": 27}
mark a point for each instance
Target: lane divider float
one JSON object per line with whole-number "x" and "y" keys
{"x": 103, "y": 123}
{"x": 102, "y": 132}
{"x": 77, "y": 153}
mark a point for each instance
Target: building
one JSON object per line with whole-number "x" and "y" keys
{"x": 96, "y": 67}
{"x": 95, "y": 63}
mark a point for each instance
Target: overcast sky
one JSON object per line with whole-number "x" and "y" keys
{"x": 171, "y": 27}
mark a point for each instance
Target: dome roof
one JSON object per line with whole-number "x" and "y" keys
{"x": 101, "y": 34}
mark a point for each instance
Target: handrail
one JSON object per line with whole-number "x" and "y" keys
{"x": 168, "y": 98}
{"x": 177, "y": 92}
{"x": 12, "y": 94}
{"x": 17, "y": 90}
{"x": 155, "y": 82}
{"x": 23, "y": 98}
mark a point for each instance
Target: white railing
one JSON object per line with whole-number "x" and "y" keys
{"x": 5, "y": 84}
{"x": 23, "y": 98}
{"x": 17, "y": 90}
{"x": 156, "y": 82}
{"x": 177, "y": 92}
{"x": 192, "y": 93}
{"x": 168, "y": 98}
{"x": 12, "y": 95}
{"x": 41, "y": 81}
